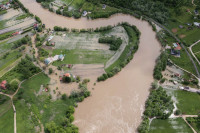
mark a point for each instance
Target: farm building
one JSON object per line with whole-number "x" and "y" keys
{"x": 49, "y": 60}
{"x": 3, "y": 84}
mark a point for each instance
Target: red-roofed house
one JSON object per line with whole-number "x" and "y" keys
{"x": 178, "y": 47}
{"x": 67, "y": 75}
{"x": 3, "y": 84}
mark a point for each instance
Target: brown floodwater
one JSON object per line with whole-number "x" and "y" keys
{"x": 116, "y": 105}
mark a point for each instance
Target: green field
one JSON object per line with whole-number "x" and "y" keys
{"x": 7, "y": 122}
{"x": 195, "y": 123}
{"x": 188, "y": 102}
{"x": 11, "y": 57}
{"x": 184, "y": 62}
{"x": 82, "y": 56}
{"x": 41, "y": 106}
{"x": 177, "y": 125}
{"x": 196, "y": 48}
{"x": 181, "y": 18}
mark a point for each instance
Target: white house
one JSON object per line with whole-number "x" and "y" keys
{"x": 197, "y": 24}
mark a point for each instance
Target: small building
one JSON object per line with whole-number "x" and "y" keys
{"x": 84, "y": 13}
{"x": 104, "y": 6}
{"x": 181, "y": 27}
{"x": 61, "y": 57}
{"x": 188, "y": 24}
{"x": 197, "y": 24}
{"x": 176, "y": 53}
{"x": 67, "y": 75}
{"x": 16, "y": 33}
{"x": 196, "y": 12}
{"x": 49, "y": 60}
{"x": 168, "y": 47}
{"x": 50, "y": 38}
{"x": 3, "y": 84}
{"x": 186, "y": 88}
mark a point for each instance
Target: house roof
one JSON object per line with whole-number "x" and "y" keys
{"x": 67, "y": 75}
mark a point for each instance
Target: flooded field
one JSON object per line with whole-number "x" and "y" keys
{"x": 116, "y": 105}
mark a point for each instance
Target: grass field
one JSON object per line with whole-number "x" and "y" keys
{"x": 7, "y": 122}
{"x": 12, "y": 57}
{"x": 184, "y": 62}
{"x": 82, "y": 56}
{"x": 196, "y": 126}
{"x": 181, "y": 18}
{"x": 41, "y": 106}
{"x": 188, "y": 102}
{"x": 196, "y": 48}
{"x": 169, "y": 126}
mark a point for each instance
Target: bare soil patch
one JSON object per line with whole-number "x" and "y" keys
{"x": 174, "y": 30}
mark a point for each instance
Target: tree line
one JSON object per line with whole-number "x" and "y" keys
{"x": 114, "y": 42}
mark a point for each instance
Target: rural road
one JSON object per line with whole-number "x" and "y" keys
{"x": 190, "y": 48}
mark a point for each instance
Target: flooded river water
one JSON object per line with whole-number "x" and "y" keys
{"x": 116, "y": 105}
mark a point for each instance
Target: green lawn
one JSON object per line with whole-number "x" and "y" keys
{"x": 195, "y": 123}
{"x": 12, "y": 57}
{"x": 198, "y": 56}
{"x": 5, "y": 105}
{"x": 181, "y": 18}
{"x": 41, "y": 106}
{"x": 177, "y": 125}
{"x": 188, "y": 102}
{"x": 82, "y": 56}
{"x": 7, "y": 122}
{"x": 196, "y": 48}
{"x": 184, "y": 62}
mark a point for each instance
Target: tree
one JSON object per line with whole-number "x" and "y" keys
{"x": 50, "y": 70}
{"x": 67, "y": 79}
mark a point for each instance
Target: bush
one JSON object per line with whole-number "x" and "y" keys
{"x": 50, "y": 70}
{"x": 114, "y": 42}
{"x": 67, "y": 79}
{"x": 178, "y": 112}
{"x": 64, "y": 97}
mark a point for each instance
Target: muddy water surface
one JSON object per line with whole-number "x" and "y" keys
{"x": 116, "y": 105}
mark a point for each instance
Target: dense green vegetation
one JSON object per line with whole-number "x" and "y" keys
{"x": 23, "y": 70}
{"x": 158, "y": 105}
{"x": 8, "y": 58}
{"x": 23, "y": 41}
{"x": 169, "y": 126}
{"x": 188, "y": 102}
{"x": 6, "y": 35}
{"x": 127, "y": 55}
{"x": 161, "y": 64}
{"x": 56, "y": 116}
{"x": 114, "y": 42}
{"x": 7, "y": 122}
{"x": 194, "y": 122}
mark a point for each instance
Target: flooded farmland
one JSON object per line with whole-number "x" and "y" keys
{"x": 116, "y": 105}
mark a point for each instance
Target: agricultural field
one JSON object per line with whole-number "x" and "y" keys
{"x": 196, "y": 50}
{"x": 14, "y": 19}
{"x": 188, "y": 102}
{"x": 6, "y": 115}
{"x": 42, "y": 107}
{"x": 177, "y": 125}
{"x": 181, "y": 24}
{"x": 84, "y": 48}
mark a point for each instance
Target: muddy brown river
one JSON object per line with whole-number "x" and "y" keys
{"x": 116, "y": 105}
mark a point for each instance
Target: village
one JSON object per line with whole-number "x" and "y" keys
{"x": 49, "y": 66}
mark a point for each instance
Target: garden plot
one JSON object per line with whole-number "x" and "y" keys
{"x": 83, "y": 48}
{"x": 11, "y": 13}
{"x": 196, "y": 50}
{"x": 24, "y": 24}
{"x": 177, "y": 125}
